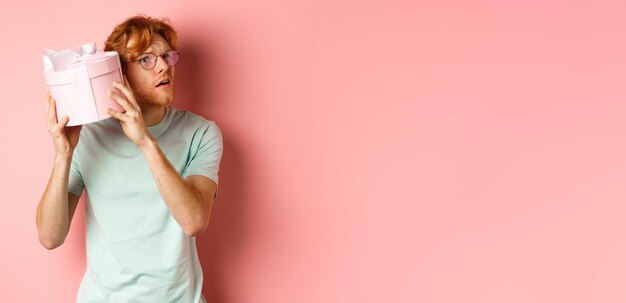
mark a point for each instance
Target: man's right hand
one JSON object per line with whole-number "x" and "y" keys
{"x": 64, "y": 138}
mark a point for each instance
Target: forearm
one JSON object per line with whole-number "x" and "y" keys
{"x": 184, "y": 201}
{"x": 53, "y": 210}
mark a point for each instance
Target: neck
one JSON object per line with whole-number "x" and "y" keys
{"x": 153, "y": 114}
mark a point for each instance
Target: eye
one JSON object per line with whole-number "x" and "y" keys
{"x": 165, "y": 55}
{"x": 144, "y": 60}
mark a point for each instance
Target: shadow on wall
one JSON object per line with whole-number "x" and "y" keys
{"x": 197, "y": 90}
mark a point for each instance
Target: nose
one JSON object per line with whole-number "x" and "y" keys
{"x": 161, "y": 65}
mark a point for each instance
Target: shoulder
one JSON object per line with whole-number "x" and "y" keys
{"x": 190, "y": 121}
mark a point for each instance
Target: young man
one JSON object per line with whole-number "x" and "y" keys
{"x": 150, "y": 177}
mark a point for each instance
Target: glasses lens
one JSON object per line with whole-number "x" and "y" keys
{"x": 148, "y": 61}
{"x": 171, "y": 57}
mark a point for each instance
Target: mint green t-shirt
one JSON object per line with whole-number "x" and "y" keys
{"x": 136, "y": 250}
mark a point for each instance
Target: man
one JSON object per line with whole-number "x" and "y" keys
{"x": 150, "y": 176}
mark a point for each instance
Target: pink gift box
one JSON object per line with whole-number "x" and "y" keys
{"x": 80, "y": 82}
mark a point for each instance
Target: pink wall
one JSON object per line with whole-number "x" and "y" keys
{"x": 375, "y": 151}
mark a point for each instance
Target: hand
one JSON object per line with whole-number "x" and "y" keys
{"x": 131, "y": 118}
{"x": 64, "y": 138}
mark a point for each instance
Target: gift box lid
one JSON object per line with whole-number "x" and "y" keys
{"x": 97, "y": 64}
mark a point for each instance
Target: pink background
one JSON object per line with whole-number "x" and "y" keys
{"x": 375, "y": 151}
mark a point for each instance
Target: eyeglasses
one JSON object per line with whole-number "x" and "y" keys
{"x": 148, "y": 60}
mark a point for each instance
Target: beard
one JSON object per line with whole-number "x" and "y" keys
{"x": 154, "y": 97}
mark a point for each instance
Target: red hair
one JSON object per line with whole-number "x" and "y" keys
{"x": 133, "y": 36}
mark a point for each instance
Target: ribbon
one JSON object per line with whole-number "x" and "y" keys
{"x": 63, "y": 59}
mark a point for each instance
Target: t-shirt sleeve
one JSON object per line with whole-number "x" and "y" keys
{"x": 205, "y": 160}
{"x": 75, "y": 183}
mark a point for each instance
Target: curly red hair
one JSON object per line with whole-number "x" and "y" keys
{"x": 132, "y": 37}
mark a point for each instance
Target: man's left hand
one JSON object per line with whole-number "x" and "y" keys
{"x": 131, "y": 118}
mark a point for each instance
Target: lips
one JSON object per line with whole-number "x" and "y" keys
{"x": 164, "y": 82}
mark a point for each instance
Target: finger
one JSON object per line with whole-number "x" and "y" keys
{"x": 124, "y": 87}
{"x": 48, "y": 113}
{"x": 47, "y": 104}
{"x": 127, "y": 84}
{"x": 115, "y": 114}
{"x": 123, "y": 102}
{"x": 48, "y": 99}
{"x": 64, "y": 120}
{"x": 52, "y": 112}
{"x": 126, "y": 90}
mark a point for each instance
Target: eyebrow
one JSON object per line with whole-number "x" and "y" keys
{"x": 151, "y": 52}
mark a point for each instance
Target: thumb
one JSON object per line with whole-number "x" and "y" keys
{"x": 64, "y": 120}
